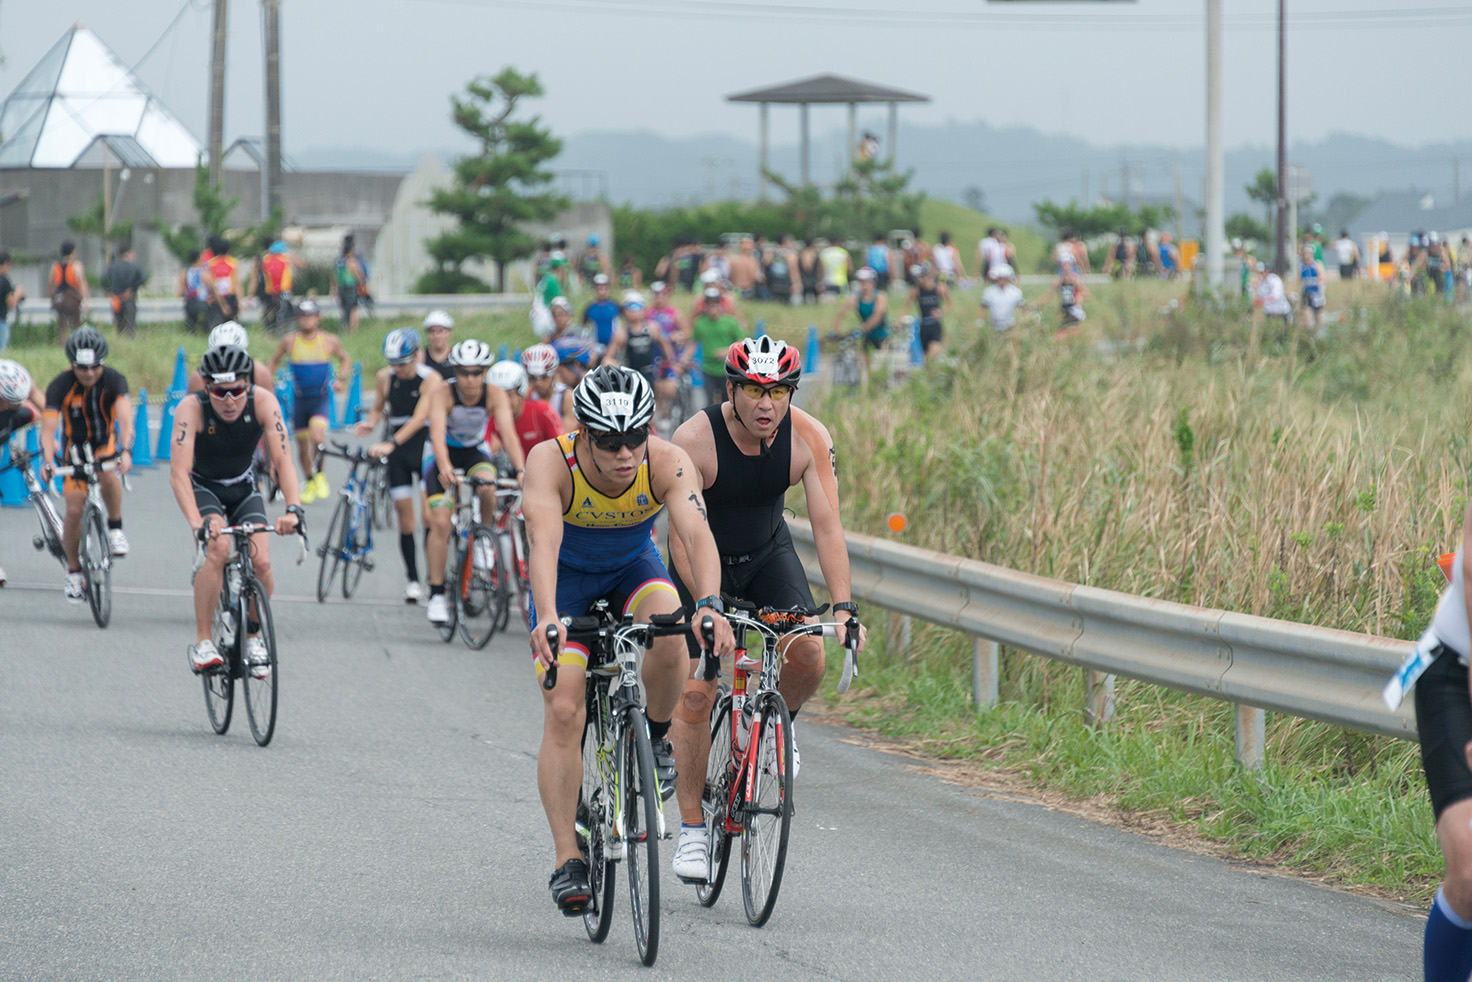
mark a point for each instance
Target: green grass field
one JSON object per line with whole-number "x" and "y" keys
{"x": 1169, "y": 453}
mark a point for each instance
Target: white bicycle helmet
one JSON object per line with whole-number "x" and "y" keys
{"x": 229, "y": 333}
{"x": 15, "y": 381}
{"x": 540, "y": 360}
{"x": 613, "y": 399}
{"x": 400, "y": 346}
{"x": 439, "y": 318}
{"x": 508, "y": 375}
{"x": 472, "y": 353}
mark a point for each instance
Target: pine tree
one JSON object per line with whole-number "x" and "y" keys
{"x": 497, "y": 191}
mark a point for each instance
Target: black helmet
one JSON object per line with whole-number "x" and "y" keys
{"x": 86, "y": 339}
{"x": 226, "y": 363}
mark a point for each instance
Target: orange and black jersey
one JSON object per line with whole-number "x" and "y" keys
{"x": 87, "y": 415}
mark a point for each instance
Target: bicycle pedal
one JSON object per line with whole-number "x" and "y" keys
{"x": 38, "y": 542}
{"x": 367, "y": 565}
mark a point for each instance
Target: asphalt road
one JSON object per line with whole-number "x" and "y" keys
{"x": 393, "y": 830}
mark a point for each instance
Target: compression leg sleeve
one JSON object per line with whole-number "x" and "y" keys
{"x": 407, "y": 548}
{"x": 1447, "y": 950}
{"x": 695, "y": 702}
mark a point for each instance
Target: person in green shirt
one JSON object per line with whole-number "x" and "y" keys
{"x": 549, "y": 287}
{"x": 714, "y": 331}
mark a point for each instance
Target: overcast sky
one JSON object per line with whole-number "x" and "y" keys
{"x": 378, "y": 73}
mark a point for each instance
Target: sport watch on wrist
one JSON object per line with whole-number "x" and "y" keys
{"x": 849, "y": 606}
{"x": 713, "y": 603}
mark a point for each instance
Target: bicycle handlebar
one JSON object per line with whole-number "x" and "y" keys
{"x": 354, "y": 455}
{"x": 595, "y": 629}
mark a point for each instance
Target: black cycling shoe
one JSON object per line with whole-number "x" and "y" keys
{"x": 664, "y": 767}
{"x": 569, "y": 885}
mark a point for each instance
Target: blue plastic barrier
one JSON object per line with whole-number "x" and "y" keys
{"x": 165, "y": 430}
{"x": 917, "y": 351}
{"x": 12, "y": 484}
{"x": 332, "y": 417}
{"x": 285, "y": 394}
{"x": 352, "y": 409}
{"x": 811, "y": 363}
{"x": 503, "y": 352}
{"x": 761, "y": 327}
{"x": 142, "y": 456}
{"x": 181, "y": 376}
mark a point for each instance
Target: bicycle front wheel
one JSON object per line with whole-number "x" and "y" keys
{"x": 768, "y": 813}
{"x": 330, "y": 549}
{"x": 452, "y": 577}
{"x": 219, "y": 694}
{"x": 476, "y": 589}
{"x": 641, "y": 828}
{"x": 592, "y": 827}
{"x": 259, "y": 681}
{"x": 356, "y": 543}
{"x": 715, "y": 803}
{"x": 505, "y": 573}
{"x": 96, "y": 556}
{"x": 380, "y": 505}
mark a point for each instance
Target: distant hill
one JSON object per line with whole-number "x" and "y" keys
{"x": 1011, "y": 168}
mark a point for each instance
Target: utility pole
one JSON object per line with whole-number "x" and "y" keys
{"x": 217, "y": 93}
{"x": 273, "y": 106}
{"x": 1280, "y": 258}
{"x": 1215, "y": 237}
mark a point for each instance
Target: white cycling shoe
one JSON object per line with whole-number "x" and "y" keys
{"x": 692, "y": 855}
{"x": 439, "y": 610}
{"x": 118, "y": 541}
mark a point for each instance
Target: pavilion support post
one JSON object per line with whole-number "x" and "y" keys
{"x": 764, "y": 165}
{"x": 894, "y": 130}
{"x": 853, "y": 134}
{"x": 806, "y": 174}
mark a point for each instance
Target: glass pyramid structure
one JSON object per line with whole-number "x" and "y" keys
{"x": 80, "y": 93}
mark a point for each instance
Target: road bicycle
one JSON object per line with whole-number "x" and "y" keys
{"x": 749, "y": 774}
{"x": 513, "y": 567}
{"x": 348, "y": 541}
{"x": 475, "y": 590}
{"x": 848, "y": 369}
{"x": 94, "y": 551}
{"x": 619, "y": 818}
{"x": 244, "y": 610}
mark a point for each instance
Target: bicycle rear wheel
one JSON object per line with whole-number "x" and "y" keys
{"x": 330, "y": 550}
{"x": 505, "y": 573}
{"x": 715, "y": 803}
{"x": 593, "y": 829}
{"x": 641, "y": 826}
{"x": 523, "y": 580}
{"x": 476, "y": 590}
{"x": 260, "y": 693}
{"x": 96, "y": 556}
{"x": 768, "y": 813}
{"x": 380, "y": 505}
{"x": 356, "y": 544}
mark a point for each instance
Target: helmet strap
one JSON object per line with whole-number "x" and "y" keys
{"x": 762, "y": 448}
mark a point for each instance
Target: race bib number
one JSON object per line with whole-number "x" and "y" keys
{"x": 764, "y": 363}
{"x": 616, "y": 403}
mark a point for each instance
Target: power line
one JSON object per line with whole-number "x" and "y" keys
{"x": 1128, "y": 21}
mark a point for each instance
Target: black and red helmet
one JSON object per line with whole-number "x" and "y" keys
{"x": 764, "y": 360}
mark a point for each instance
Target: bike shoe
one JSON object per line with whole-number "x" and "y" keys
{"x": 204, "y": 657}
{"x": 75, "y": 588}
{"x": 118, "y": 541}
{"x": 692, "y": 855}
{"x": 569, "y": 886}
{"x": 664, "y": 767}
{"x": 258, "y": 657}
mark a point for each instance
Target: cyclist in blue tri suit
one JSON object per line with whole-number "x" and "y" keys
{"x": 1311, "y": 280}
{"x": 876, "y": 257}
{"x": 590, "y": 503}
{"x": 601, "y": 315}
{"x": 309, "y": 351}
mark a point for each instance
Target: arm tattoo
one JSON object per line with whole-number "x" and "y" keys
{"x": 680, "y": 472}
{"x": 699, "y": 506}
{"x": 833, "y": 460}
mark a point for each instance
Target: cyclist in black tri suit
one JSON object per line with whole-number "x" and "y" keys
{"x": 748, "y": 451}
{"x": 401, "y": 405}
{"x": 931, "y": 298}
{"x": 634, "y": 345}
{"x": 211, "y": 472}
{"x": 437, "y": 329}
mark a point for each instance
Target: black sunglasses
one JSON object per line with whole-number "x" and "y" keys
{"x": 614, "y": 442}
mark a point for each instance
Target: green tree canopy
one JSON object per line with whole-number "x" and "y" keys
{"x": 1101, "y": 219}
{"x": 214, "y": 209}
{"x": 497, "y": 191}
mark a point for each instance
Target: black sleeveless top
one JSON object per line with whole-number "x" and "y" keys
{"x": 747, "y": 497}
{"x": 443, "y": 367}
{"x": 223, "y": 451}
{"x": 928, "y": 301}
{"x": 639, "y": 352}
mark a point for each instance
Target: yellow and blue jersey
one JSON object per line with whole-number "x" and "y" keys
{"x": 602, "y": 533}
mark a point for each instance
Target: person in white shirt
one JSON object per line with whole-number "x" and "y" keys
{"x": 1001, "y": 298}
{"x": 1272, "y": 298}
{"x": 991, "y": 254}
{"x": 1348, "y": 255}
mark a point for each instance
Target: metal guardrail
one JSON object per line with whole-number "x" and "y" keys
{"x": 1310, "y": 672}
{"x": 155, "y": 310}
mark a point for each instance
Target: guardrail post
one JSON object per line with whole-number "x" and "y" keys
{"x": 1250, "y": 737}
{"x": 897, "y": 637}
{"x": 984, "y": 674}
{"x": 1098, "y": 698}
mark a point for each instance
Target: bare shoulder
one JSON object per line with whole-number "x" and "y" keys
{"x": 694, "y": 432}
{"x": 813, "y": 432}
